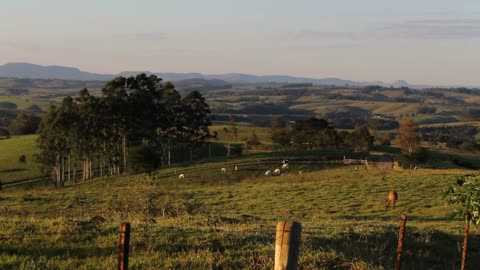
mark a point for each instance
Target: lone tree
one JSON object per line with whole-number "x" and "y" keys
{"x": 231, "y": 133}
{"x": 280, "y": 133}
{"x": 408, "y": 139}
{"x": 464, "y": 192}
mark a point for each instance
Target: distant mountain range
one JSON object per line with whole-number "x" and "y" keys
{"x": 27, "y": 70}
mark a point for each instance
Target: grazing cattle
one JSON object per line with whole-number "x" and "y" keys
{"x": 268, "y": 173}
{"x": 276, "y": 171}
{"x": 285, "y": 166}
{"x": 299, "y": 172}
{"x": 391, "y": 199}
{"x": 181, "y": 176}
{"x": 224, "y": 169}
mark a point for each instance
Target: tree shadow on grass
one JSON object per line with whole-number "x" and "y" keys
{"x": 13, "y": 170}
{"x": 421, "y": 250}
{"x": 395, "y": 218}
{"x": 70, "y": 250}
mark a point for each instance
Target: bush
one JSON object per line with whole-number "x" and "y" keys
{"x": 4, "y": 132}
{"x": 22, "y": 159}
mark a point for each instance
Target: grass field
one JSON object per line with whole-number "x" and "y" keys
{"x": 11, "y": 169}
{"x": 211, "y": 220}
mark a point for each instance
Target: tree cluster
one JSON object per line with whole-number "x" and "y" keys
{"x": 314, "y": 133}
{"x": 427, "y": 109}
{"x": 24, "y": 124}
{"x": 317, "y": 133}
{"x": 463, "y": 136}
{"x": 139, "y": 113}
{"x": 360, "y": 139}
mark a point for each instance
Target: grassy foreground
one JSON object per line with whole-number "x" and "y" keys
{"x": 211, "y": 220}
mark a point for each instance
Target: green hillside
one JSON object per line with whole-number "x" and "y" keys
{"x": 215, "y": 220}
{"x": 11, "y": 168}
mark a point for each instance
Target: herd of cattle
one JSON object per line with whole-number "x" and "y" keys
{"x": 392, "y": 196}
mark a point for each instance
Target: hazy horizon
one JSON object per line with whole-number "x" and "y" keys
{"x": 432, "y": 42}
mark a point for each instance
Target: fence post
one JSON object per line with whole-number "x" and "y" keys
{"x": 123, "y": 246}
{"x": 287, "y": 245}
{"x": 465, "y": 242}
{"x": 401, "y": 234}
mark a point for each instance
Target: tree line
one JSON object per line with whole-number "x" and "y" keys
{"x": 314, "y": 133}
{"x": 132, "y": 126}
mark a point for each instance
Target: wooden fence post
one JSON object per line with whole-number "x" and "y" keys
{"x": 465, "y": 242}
{"x": 287, "y": 245}
{"x": 401, "y": 234}
{"x": 123, "y": 246}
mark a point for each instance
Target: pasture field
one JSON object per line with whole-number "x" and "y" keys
{"x": 11, "y": 169}
{"x": 214, "y": 220}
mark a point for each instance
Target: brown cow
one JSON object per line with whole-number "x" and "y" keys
{"x": 391, "y": 199}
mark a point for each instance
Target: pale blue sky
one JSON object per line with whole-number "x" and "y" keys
{"x": 430, "y": 41}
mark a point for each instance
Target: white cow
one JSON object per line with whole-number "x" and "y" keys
{"x": 299, "y": 172}
{"x": 276, "y": 171}
{"x": 268, "y": 173}
{"x": 181, "y": 176}
{"x": 224, "y": 169}
{"x": 285, "y": 166}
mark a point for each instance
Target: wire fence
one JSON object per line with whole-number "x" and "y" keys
{"x": 239, "y": 164}
{"x": 143, "y": 236}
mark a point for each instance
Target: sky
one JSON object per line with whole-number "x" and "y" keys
{"x": 421, "y": 41}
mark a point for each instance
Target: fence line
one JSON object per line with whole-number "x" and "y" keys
{"x": 286, "y": 237}
{"x": 240, "y": 164}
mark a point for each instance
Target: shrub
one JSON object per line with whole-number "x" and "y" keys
{"x": 4, "y": 132}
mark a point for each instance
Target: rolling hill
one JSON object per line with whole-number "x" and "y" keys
{"x": 27, "y": 70}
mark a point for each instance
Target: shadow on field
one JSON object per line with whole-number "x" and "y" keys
{"x": 52, "y": 251}
{"x": 395, "y": 218}
{"x": 422, "y": 249}
{"x": 13, "y": 170}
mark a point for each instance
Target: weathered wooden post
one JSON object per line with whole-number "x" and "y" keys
{"x": 287, "y": 245}
{"x": 401, "y": 234}
{"x": 465, "y": 242}
{"x": 123, "y": 246}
